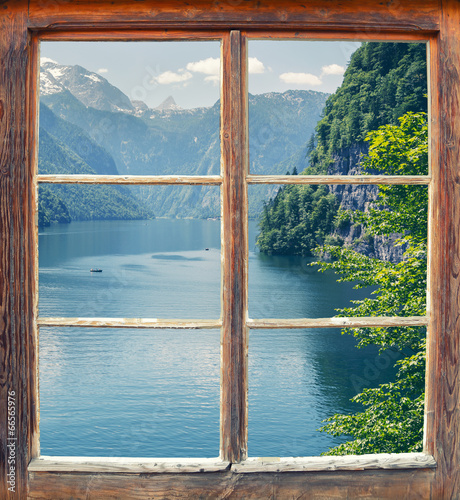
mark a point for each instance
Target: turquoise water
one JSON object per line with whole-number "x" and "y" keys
{"x": 155, "y": 393}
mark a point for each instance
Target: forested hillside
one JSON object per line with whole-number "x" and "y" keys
{"x": 66, "y": 149}
{"x": 382, "y": 82}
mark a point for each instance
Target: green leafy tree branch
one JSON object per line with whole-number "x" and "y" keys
{"x": 392, "y": 415}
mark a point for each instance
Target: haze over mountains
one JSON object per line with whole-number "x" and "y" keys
{"x": 96, "y": 128}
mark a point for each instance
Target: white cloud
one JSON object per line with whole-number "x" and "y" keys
{"x": 209, "y": 66}
{"x": 332, "y": 69}
{"x": 214, "y": 79}
{"x": 255, "y": 66}
{"x": 44, "y": 60}
{"x": 301, "y": 79}
{"x": 102, "y": 70}
{"x": 169, "y": 77}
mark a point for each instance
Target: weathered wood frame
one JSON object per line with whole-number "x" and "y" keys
{"x": 22, "y": 24}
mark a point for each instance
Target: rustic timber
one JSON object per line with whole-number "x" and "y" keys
{"x": 360, "y": 16}
{"x": 234, "y": 342}
{"x": 377, "y": 321}
{"x": 308, "y": 34}
{"x": 357, "y": 485}
{"x": 114, "y": 34}
{"x": 154, "y": 323}
{"x": 338, "y": 179}
{"x": 129, "y": 179}
{"x": 115, "y": 465}
{"x": 439, "y": 22}
{"x": 350, "y": 462}
{"x": 443, "y": 363}
{"x": 33, "y": 99}
{"x": 18, "y": 356}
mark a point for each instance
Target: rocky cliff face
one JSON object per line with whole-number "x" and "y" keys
{"x": 353, "y": 197}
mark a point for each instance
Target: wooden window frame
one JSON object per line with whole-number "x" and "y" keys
{"x": 432, "y": 474}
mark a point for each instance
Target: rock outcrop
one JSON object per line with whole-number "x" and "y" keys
{"x": 359, "y": 198}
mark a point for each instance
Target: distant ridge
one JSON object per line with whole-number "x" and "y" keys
{"x": 169, "y": 140}
{"x": 167, "y": 104}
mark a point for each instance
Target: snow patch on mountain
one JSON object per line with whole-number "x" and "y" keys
{"x": 48, "y": 85}
{"x": 88, "y": 87}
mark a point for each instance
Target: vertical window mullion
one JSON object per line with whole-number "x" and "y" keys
{"x": 234, "y": 337}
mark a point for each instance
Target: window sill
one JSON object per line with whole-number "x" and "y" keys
{"x": 251, "y": 465}
{"x": 127, "y": 465}
{"x": 336, "y": 463}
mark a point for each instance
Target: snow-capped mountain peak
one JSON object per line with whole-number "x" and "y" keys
{"x": 91, "y": 89}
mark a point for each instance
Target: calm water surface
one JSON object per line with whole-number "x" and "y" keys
{"x": 153, "y": 393}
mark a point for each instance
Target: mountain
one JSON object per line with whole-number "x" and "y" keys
{"x": 169, "y": 140}
{"x": 382, "y": 82}
{"x": 66, "y": 149}
{"x": 77, "y": 141}
{"x": 168, "y": 103}
{"x": 90, "y": 88}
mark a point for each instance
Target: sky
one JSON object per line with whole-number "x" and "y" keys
{"x": 189, "y": 71}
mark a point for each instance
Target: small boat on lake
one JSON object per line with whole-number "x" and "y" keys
{"x": 95, "y": 270}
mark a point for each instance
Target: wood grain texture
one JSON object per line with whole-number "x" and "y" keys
{"x": 153, "y": 323}
{"x": 356, "y": 19}
{"x": 251, "y": 465}
{"x": 234, "y": 368}
{"x": 333, "y": 485}
{"x": 443, "y": 367}
{"x": 356, "y": 34}
{"x": 31, "y": 194}
{"x": 100, "y": 465}
{"x": 352, "y": 462}
{"x": 271, "y": 323}
{"x": 213, "y": 180}
{"x": 17, "y": 353}
{"x": 106, "y": 35}
{"x": 338, "y": 179}
{"x": 361, "y": 15}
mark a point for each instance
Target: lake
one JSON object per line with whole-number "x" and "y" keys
{"x": 155, "y": 393}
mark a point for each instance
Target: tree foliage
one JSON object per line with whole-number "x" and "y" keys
{"x": 382, "y": 82}
{"x": 392, "y": 415}
{"x": 296, "y": 220}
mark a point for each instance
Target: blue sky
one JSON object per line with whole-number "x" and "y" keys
{"x": 189, "y": 71}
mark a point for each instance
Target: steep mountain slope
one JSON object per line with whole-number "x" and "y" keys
{"x": 77, "y": 141}
{"x": 66, "y": 149}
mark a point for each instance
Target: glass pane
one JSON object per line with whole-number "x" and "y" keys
{"x": 312, "y": 104}
{"x": 149, "y": 108}
{"x": 299, "y": 378}
{"x": 129, "y": 393}
{"x": 370, "y": 237}
{"x": 150, "y": 267}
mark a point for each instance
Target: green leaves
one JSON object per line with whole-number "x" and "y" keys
{"x": 392, "y": 419}
{"x": 382, "y": 82}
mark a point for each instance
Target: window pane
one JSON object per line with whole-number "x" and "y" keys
{"x": 151, "y": 267}
{"x": 129, "y": 393}
{"x": 299, "y": 378}
{"x": 149, "y": 108}
{"x": 370, "y": 237}
{"x": 312, "y": 103}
